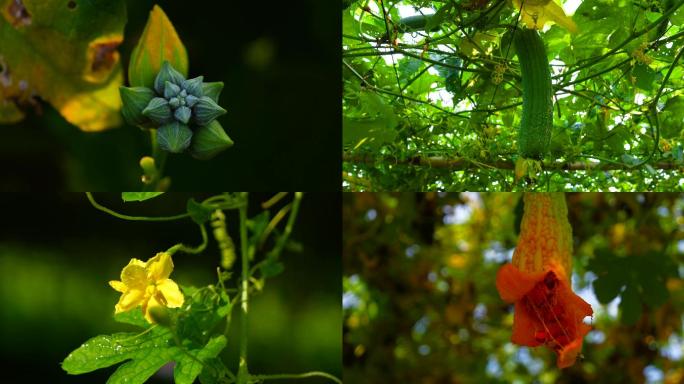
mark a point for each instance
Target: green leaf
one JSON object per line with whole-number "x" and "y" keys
{"x": 158, "y": 42}
{"x": 198, "y": 212}
{"x": 106, "y": 350}
{"x": 200, "y": 314}
{"x": 143, "y": 366}
{"x": 139, "y": 196}
{"x": 215, "y": 373}
{"x": 645, "y": 76}
{"x": 272, "y": 268}
{"x": 607, "y": 287}
{"x": 187, "y": 368}
{"x": 151, "y": 349}
{"x": 257, "y": 225}
{"x": 133, "y": 317}
{"x": 630, "y": 306}
{"x": 66, "y": 56}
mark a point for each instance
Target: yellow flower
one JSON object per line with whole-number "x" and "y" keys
{"x": 536, "y": 13}
{"x": 148, "y": 284}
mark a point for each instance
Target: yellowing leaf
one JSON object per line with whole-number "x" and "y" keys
{"x": 65, "y": 53}
{"x": 536, "y": 13}
{"x": 159, "y": 42}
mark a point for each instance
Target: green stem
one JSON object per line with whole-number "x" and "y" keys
{"x": 285, "y": 376}
{"x": 288, "y": 227}
{"x": 193, "y": 250}
{"x": 132, "y": 218}
{"x": 243, "y": 372}
{"x": 159, "y": 157}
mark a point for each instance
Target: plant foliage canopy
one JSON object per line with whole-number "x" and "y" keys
{"x": 433, "y": 95}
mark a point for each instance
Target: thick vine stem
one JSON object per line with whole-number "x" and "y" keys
{"x": 243, "y": 372}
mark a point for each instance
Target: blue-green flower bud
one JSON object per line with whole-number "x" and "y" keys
{"x": 171, "y": 90}
{"x": 209, "y": 140}
{"x": 174, "y": 137}
{"x": 206, "y": 110}
{"x": 191, "y": 100}
{"x": 183, "y": 114}
{"x": 194, "y": 86}
{"x": 167, "y": 73}
{"x": 134, "y": 101}
{"x": 212, "y": 90}
{"x": 175, "y": 102}
{"x": 159, "y": 111}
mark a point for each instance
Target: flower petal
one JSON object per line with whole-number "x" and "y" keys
{"x": 525, "y": 326}
{"x": 134, "y": 275}
{"x": 159, "y": 267}
{"x": 129, "y": 300}
{"x": 148, "y": 307}
{"x": 513, "y": 284}
{"x": 567, "y": 356}
{"x": 118, "y": 286}
{"x": 172, "y": 294}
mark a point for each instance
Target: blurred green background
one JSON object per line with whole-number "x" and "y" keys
{"x": 57, "y": 254}
{"x": 279, "y": 66}
{"x": 420, "y": 303}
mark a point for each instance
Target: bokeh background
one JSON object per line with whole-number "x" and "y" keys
{"x": 278, "y": 64}
{"x": 420, "y": 303}
{"x": 57, "y": 254}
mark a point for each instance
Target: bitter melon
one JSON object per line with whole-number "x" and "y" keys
{"x": 534, "y": 134}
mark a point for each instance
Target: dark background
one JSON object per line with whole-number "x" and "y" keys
{"x": 57, "y": 254}
{"x": 283, "y": 107}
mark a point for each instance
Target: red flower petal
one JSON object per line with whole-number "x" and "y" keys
{"x": 546, "y": 310}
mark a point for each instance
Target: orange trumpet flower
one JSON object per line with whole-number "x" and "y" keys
{"x": 547, "y": 312}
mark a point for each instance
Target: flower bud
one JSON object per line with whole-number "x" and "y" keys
{"x": 206, "y": 110}
{"x": 209, "y": 141}
{"x": 174, "y": 137}
{"x": 171, "y": 90}
{"x": 212, "y": 90}
{"x": 174, "y": 102}
{"x": 191, "y": 100}
{"x": 134, "y": 101}
{"x": 194, "y": 86}
{"x": 167, "y": 73}
{"x": 160, "y": 315}
{"x": 159, "y": 111}
{"x": 182, "y": 114}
